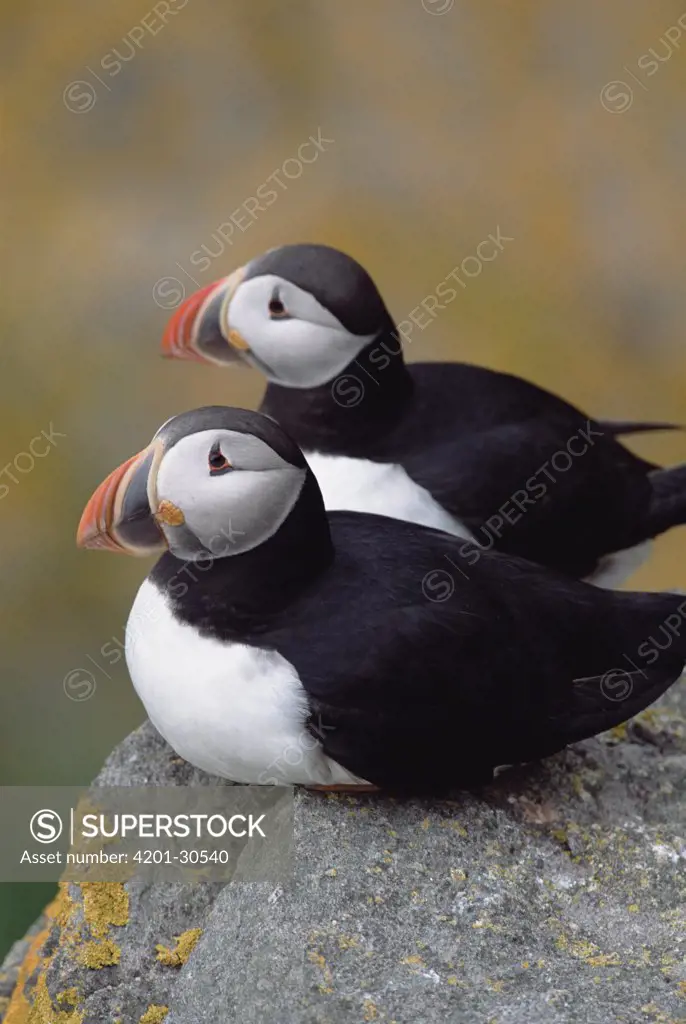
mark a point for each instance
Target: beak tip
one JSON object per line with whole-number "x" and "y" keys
{"x": 177, "y": 339}
{"x": 90, "y": 537}
{"x": 195, "y": 330}
{"x": 88, "y": 533}
{"x": 97, "y": 526}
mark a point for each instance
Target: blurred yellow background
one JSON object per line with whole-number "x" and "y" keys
{"x": 134, "y": 131}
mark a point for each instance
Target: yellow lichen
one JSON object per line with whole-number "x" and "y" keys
{"x": 583, "y": 949}
{"x": 154, "y": 1015}
{"x": 370, "y": 1010}
{"x": 43, "y": 1012}
{"x": 104, "y": 904}
{"x": 326, "y": 987}
{"x": 185, "y": 944}
{"x": 578, "y": 785}
{"x": 455, "y": 826}
{"x": 605, "y": 960}
{"x": 487, "y": 926}
{"x": 97, "y": 955}
{"x": 587, "y": 951}
{"x": 70, "y": 997}
{"x": 20, "y": 1009}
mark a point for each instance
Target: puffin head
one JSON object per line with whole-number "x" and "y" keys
{"x": 215, "y": 481}
{"x": 300, "y": 314}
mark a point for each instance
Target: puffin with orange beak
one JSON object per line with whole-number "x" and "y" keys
{"x": 275, "y": 643}
{"x": 483, "y": 455}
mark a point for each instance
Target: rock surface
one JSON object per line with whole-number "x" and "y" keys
{"x": 557, "y": 895}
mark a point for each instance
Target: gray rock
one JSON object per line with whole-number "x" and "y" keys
{"x": 554, "y": 896}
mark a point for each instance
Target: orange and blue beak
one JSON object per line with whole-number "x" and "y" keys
{"x": 199, "y": 329}
{"x": 119, "y": 516}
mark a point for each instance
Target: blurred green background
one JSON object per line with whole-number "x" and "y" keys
{"x": 133, "y": 131}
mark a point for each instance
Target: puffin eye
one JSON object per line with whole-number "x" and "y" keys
{"x": 277, "y": 310}
{"x": 217, "y": 461}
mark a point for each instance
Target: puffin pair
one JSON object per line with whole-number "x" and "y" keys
{"x": 276, "y": 642}
{"x": 482, "y": 455}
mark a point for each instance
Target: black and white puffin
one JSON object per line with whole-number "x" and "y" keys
{"x": 477, "y": 453}
{"x": 275, "y": 643}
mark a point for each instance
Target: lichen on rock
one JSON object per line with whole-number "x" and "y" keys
{"x": 154, "y": 1015}
{"x": 553, "y": 896}
{"x": 185, "y": 944}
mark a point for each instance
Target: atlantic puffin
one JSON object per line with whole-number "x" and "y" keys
{"x": 481, "y": 454}
{"x": 274, "y": 642}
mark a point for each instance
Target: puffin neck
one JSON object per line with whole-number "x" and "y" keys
{"x": 232, "y": 596}
{"x": 365, "y": 401}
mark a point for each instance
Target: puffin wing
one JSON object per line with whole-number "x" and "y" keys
{"x": 559, "y": 494}
{"x": 514, "y": 664}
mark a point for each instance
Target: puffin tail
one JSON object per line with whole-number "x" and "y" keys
{"x": 623, "y": 428}
{"x": 650, "y": 658}
{"x": 668, "y": 500}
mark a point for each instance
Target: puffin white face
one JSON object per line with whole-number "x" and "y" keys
{"x": 222, "y": 491}
{"x": 284, "y": 332}
{"x": 212, "y": 481}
